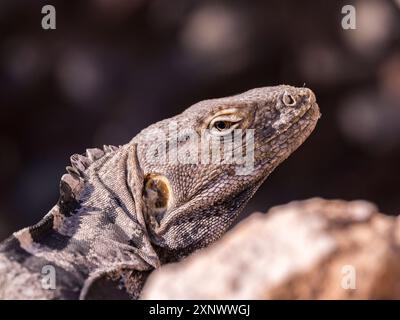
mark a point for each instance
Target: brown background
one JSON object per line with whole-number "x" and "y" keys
{"x": 112, "y": 67}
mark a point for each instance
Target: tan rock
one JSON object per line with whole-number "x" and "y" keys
{"x": 313, "y": 249}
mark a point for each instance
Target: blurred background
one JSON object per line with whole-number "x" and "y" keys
{"x": 112, "y": 67}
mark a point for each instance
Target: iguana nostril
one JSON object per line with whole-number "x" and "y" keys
{"x": 288, "y": 100}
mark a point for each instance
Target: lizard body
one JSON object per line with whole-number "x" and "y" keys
{"x": 124, "y": 211}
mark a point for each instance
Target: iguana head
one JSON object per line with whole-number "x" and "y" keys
{"x": 202, "y": 166}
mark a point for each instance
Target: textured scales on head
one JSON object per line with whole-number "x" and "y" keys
{"x": 121, "y": 214}
{"x": 208, "y": 197}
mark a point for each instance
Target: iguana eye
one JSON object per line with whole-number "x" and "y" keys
{"x": 224, "y": 124}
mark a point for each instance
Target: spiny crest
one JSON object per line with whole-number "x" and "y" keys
{"x": 79, "y": 163}
{"x": 71, "y": 186}
{"x": 72, "y": 183}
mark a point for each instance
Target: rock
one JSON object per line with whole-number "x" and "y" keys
{"x": 313, "y": 249}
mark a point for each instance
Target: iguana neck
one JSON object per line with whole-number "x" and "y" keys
{"x": 97, "y": 226}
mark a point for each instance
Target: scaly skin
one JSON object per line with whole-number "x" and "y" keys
{"x": 125, "y": 211}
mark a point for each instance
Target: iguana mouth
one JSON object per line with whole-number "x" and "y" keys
{"x": 311, "y": 112}
{"x": 310, "y": 116}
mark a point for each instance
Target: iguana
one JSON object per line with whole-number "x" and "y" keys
{"x": 123, "y": 211}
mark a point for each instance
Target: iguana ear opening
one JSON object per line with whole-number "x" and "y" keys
{"x": 157, "y": 196}
{"x": 136, "y": 181}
